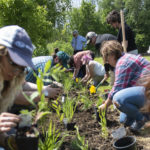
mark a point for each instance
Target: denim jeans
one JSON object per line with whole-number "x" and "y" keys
{"x": 130, "y": 101}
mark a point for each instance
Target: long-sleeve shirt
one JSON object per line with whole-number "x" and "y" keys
{"x": 129, "y": 37}
{"x": 129, "y": 69}
{"x": 78, "y": 43}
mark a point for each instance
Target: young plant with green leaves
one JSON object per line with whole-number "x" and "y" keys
{"x": 67, "y": 82}
{"x": 69, "y": 107}
{"x": 57, "y": 107}
{"x": 87, "y": 103}
{"x": 103, "y": 123}
{"x": 79, "y": 143}
{"x": 53, "y": 138}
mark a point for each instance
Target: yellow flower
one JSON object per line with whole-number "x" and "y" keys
{"x": 92, "y": 89}
{"x": 77, "y": 80}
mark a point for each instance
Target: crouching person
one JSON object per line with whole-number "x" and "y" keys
{"x": 15, "y": 54}
{"x": 125, "y": 94}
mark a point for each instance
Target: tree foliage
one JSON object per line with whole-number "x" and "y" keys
{"x": 136, "y": 14}
{"x": 85, "y": 19}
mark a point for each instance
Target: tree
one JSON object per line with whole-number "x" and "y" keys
{"x": 138, "y": 16}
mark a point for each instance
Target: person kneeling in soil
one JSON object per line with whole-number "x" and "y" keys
{"x": 76, "y": 62}
{"x": 125, "y": 94}
{"x": 94, "y": 70}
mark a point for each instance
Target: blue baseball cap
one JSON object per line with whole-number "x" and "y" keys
{"x": 19, "y": 45}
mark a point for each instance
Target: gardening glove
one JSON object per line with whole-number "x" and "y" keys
{"x": 10, "y": 143}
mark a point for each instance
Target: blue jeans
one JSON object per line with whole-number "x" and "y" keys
{"x": 130, "y": 101}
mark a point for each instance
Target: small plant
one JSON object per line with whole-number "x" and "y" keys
{"x": 103, "y": 123}
{"x": 57, "y": 107}
{"x": 79, "y": 142}
{"x": 68, "y": 82}
{"x": 87, "y": 103}
{"x": 53, "y": 139}
{"x": 69, "y": 107}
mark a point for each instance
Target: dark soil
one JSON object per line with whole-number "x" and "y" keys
{"x": 91, "y": 129}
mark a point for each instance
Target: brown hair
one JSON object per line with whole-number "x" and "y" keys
{"x": 109, "y": 48}
{"x": 146, "y": 84}
{"x": 113, "y": 16}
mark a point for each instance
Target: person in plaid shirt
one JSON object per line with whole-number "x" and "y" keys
{"x": 126, "y": 95}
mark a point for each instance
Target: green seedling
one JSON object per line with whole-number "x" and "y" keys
{"x": 87, "y": 103}
{"x": 53, "y": 138}
{"x": 57, "y": 107}
{"x": 69, "y": 107}
{"x": 79, "y": 143}
{"x": 103, "y": 123}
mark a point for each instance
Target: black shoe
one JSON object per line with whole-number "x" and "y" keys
{"x": 147, "y": 116}
{"x": 137, "y": 125}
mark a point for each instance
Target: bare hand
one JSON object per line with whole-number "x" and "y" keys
{"x": 102, "y": 107}
{"x": 53, "y": 92}
{"x": 8, "y": 121}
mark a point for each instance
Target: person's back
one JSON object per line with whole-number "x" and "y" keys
{"x": 103, "y": 37}
{"x": 134, "y": 66}
{"x": 39, "y": 63}
{"x": 99, "y": 69}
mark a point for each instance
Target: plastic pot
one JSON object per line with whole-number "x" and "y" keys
{"x": 69, "y": 125}
{"x": 27, "y": 138}
{"x": 27, "y": 143}
{"x": 97, "y": 114}
{"x": 125, "y": 143}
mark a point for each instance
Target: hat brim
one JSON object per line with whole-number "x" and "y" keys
{"x": 88, "y": 41}
{"x": 20, "y": 58}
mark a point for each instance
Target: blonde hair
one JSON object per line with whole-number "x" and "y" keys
{"x": 110, "y": 48}
{"x": 14, "y": 87}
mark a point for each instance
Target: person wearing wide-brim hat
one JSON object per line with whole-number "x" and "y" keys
{"x": 16, "y": 51}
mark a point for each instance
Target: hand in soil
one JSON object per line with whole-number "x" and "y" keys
{"x": 53, "y": 92}
{"x": 102, "y": 107}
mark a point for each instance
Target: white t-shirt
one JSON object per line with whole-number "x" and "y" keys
{"x": 99, "y": 69}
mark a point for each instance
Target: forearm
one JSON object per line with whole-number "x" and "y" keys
{"x": 28, "y": 86}
{"x": 85, "y": 79}
{"x": 88, "y": 78}
{"x": 108, "y": 102}
{"x": 21, "y": 100}
{"x": 76, "y": 71}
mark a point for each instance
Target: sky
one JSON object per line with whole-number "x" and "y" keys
{"x": 76, "y": 3}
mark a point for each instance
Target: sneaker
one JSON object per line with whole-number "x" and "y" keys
{"x": 128, "y": 122}
{"x": 137, "y": 125}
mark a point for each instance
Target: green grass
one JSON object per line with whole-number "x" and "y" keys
{"x": 100, "y": 60}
